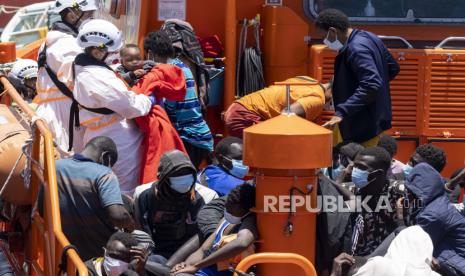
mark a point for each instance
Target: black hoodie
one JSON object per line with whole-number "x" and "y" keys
{"x": 168, "y": 216}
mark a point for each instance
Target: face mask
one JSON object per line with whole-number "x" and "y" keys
{"x": 407, "y": 170}
{"x": 233, "y": 219}
{"x": 114, "y": 267}
{"x": 182, "y": 184}
{"x": 360, "y": 177}
{"x": 336, "y": 45}
{"x": 337, "y": 172}
{"x": 112, "y": 58}
{"x": 239, "y": 170}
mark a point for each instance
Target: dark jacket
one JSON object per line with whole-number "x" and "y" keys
{"x": 439, "y": 218}
{"x": 361, "y": 93}
{"x": 169, "y": 217}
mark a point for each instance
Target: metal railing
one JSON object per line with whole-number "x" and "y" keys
{"x": 276, "y": 258}
{"x": 48, "y": 240}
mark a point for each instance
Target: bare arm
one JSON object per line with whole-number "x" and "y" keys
{"x": 185, "y": 251}
{"x": 120, "y": 218}
{"x": 245, "y": 238}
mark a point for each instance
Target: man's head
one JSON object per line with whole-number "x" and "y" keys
{"x": 239, "y": 202}
{"x": 228, "y": 154}
{"x": 158, "y": 47}
{"x": 75, "y": 12}
{"x": 25, "y": 71}
{"x": 434, "y": 156}
{"x": 117, "y": 253}
{"x": 388, "y": 143}
{"x": 343, "y": 156}
{"x": 102, "y": 150}
{"x": 131, "y": 57}
{"x": 334, "y": 26}
{"x": 101, "y": 40}
{"x": 370, "y": 169}
{"x": 176, "y": 176}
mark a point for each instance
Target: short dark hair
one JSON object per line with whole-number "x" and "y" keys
{"x": 351, "y": 150}
{"x": 332, "y": 18}
{"x": 224, "y": 146}
{"x": 127, "y": 239}
{"x": 159, "y": 43}
{"x": 434, "y": 156}
{"x": 388, "y": 143}
{"x": 243, "y": 195}
{"x": 104, "y": 144}
{"x": 128, "y": 46}
{"x": 382, "y": 157}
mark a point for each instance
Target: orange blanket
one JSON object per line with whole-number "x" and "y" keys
{"x": 163, "y": 81}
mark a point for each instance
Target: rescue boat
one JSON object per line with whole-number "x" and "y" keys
{"x": 427, "y": 98}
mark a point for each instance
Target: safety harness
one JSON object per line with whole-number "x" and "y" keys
{"x": 82, "y": 60}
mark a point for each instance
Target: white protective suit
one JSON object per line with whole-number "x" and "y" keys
{"x": 54, "y": 106}
{"x": 98, "y": 87}
{"x": 409, "y": 254}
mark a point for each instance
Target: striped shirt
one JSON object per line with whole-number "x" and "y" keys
{"x": 186, "y": 116}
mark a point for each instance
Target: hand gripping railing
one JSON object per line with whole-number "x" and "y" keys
{"x": 48, "y": 240}
{"x": 276, "y": 258}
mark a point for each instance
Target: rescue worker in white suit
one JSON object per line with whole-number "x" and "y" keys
{"x": 58, "y": 53}
{"x": 96, "y": 86}
{"x": 24, "y": 74}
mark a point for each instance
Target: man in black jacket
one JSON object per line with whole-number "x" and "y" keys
{"x": 168, "y": 210}
{"x": 362, "y": 71}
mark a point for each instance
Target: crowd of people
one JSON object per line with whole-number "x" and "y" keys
{"x": 143, "y": 190}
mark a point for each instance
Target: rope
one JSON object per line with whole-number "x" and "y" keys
{"x": 10, "y": 174}
{"x": 249, "y": 77}
{"x": 64, "y": 259}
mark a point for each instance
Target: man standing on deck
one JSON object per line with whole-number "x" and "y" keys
{"x": 363, "y": 69}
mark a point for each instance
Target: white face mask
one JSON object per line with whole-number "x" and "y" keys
{"x": 112, "y": 58}
{"x": 233, "y": 219}
{"x": 182, "y": 184}
{"x": 114, "y": 267}
{"x": 336, "y": 45}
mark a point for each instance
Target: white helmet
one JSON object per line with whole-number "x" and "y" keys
{"x": 100, "y": 33}
{"x": 83, "y": 5}
{"x": 24, "y": 69}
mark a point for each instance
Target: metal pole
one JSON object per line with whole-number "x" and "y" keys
{"x": 288, "y": 99}
{"x": 230, "y": 53}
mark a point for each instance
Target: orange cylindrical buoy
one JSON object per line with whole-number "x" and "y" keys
{"x": 284, "y": 153}
{"x": 12, "y": 138}
{"x": 7, "y": 51}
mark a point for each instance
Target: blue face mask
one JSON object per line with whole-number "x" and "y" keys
{"x": 360, "y": 177}
{"x": 407, "y": 170}
{"x": 337, "y": 172}
{"x": 239, "y": 170}
{"x": 182, "y": 184}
